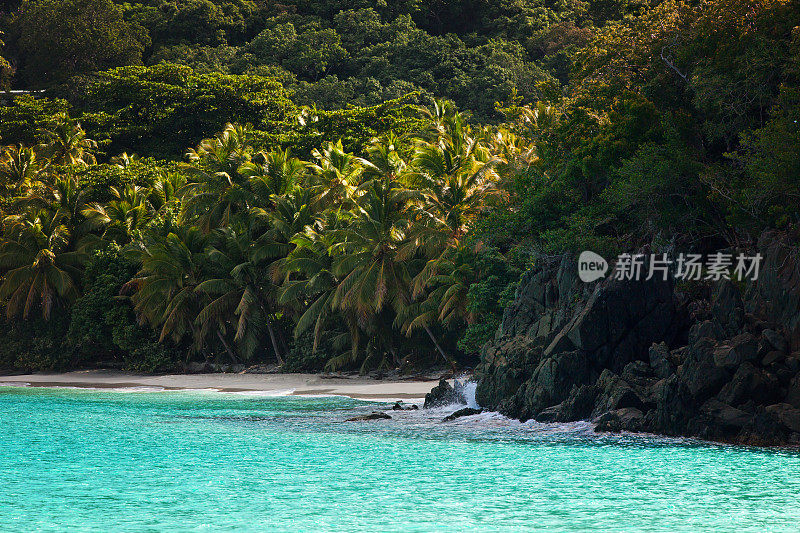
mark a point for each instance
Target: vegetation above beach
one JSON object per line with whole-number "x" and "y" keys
{"x": 362, "y": 188}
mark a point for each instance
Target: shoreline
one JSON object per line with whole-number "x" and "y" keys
{"x": 360, "y": 388}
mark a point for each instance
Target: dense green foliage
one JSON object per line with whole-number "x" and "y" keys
{"x": 332, "y": 212}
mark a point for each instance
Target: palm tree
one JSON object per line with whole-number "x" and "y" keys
{"x": 166, "y": 190}
{"x": 240, "y": 289}
{"x": 124, "y": 218}
{"x": 274, "y": 232}
{"x": 372, "y": 253}
{"x": 438, "y": 115}
{"x": 124, "y": 160}
{"x": 64, "y": 195}
{"x": 335, "y": 176}
{"x": 447, "y": 281}
{"x": 456, "y": 174}
{"x": 39, "y": 262}
{"x": 276, "y": 173}
{"x": 219, "y": 192}
{"x": 19, "y": 168}
{"x": 67, "y": 143}
{"x": 309, "y": 282}
{"x": 165, "y": 294}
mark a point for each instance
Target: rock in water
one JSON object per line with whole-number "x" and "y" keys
{"x": 625, "y": 419}
{"x": 441, "y": 395}
{"x": 467, "y": 411}
{"x": 375, "y": 415}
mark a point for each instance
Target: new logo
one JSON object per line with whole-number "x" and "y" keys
{"x": 591, "y": 266}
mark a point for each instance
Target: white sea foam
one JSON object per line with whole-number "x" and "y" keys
{"x": 264, "y": 393}
{"x": 469, "y": 394}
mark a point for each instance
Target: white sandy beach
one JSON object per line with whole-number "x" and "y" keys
{"x": 299, "y": 384}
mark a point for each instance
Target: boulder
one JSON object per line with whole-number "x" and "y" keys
{"x": 788, "y": 415}
{"x": 441, "y": 395}
{"x": 265, "y": 369}
{"x": 400, "y": 406}
{"x": 775, "y": 340}
{"x": 750, "y": 384}
{"x": 674, "y": 406}
{"x": 660, "y": 360}
{"x": 775, "y": 296}
{"x": 552, "y": 381}
{"x": 467, "y": 411}
{"x": 619, "y": 322}
{"x": 731, "y": 354}
{"x": 614, "y": 393}
{"x": 727, "y": 308}
{"x": 375, "y": 415}
{"x": 627, "y": 419}
{"x": 773, "y": 357}
{"x": 722, "y": 419}
{"x": 197, "y": 368}
{"x": 699, "y": 374}
{"x": 793, "y": 394}
{"x": 578, "y": 406}
{"x": 705, "y": 329}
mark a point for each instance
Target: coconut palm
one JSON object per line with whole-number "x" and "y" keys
{"x": 372, "y": 252}
{"x": 66, "y": 143}
{"x": 239, "y": 293}
{"x": 219, "y": 192}
{"x": 124, "y": 160}
{"x": 40, "y": 265}
{"x": 456, "y": 172}
{"x": 64, "y": 195}
{"x": 123, "y": 218}
{"x": 445, "y": 291}
{"x": 335, "y": 177}
{"x": 164, "y": 290}
{"x": 308, "y": 281}
{"x": 272, "y": 173}
{"x": 165, "y": 194}
{"x": 19, "y": 168}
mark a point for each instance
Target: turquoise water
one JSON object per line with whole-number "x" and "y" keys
{"x": 87, "y": 460}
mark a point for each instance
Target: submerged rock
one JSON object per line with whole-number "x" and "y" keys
{"x": 625, "y": 419}
{"x": 467, "y": 411}
{"x": 400, "y": 406}
{"x": 375, "y": 415}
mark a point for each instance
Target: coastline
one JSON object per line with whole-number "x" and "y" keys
{"x": 360, "y": 387}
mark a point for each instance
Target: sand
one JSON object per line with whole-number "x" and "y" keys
{"x": 300, "y": 384}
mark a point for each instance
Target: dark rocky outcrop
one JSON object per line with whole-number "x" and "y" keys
{"x": 441, "y": 395}
{"x": 644, "y": 356}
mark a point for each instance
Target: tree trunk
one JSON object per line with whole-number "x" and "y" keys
{"x": 274, "y": 341}
{"x": 282, "y": 339}
{"x": 272, "y": 336}
{"x": 227, "y": 347}
{"x": 439, "y": 348}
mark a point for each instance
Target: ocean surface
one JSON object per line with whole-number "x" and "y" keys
{"x": 89, "y": 460}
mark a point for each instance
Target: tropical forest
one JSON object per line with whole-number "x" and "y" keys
{"x": 328, "y": 186}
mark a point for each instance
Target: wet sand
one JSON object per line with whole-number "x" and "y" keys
{"x": 359, "y": 387}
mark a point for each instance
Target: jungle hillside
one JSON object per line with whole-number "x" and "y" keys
{"x": 359, "y": 186}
